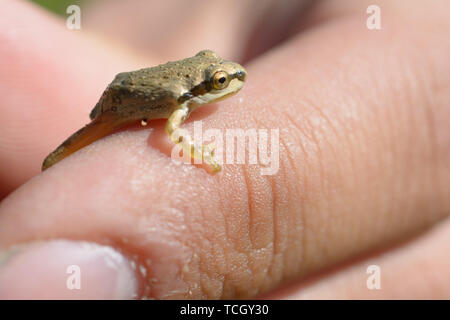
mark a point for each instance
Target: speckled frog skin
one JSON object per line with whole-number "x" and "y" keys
{"x": 169, "y": 91}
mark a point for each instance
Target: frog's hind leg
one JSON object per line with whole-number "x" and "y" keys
{"x": 97, "y": 129}
{"x": 205, "y": 153}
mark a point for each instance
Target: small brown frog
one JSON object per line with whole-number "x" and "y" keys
{"x": 169, "y": 91}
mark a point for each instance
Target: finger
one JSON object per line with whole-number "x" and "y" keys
{"x": 416, "y": 270}
{"x": 49, "y": 86}
{"x": 72, "y": 270}
{"x": 344, "y": 186}
{"x": 235, "y": 29}
{"x": 57, "y": 104}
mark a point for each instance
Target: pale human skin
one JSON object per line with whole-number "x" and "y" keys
{"x": 364, "y": 167}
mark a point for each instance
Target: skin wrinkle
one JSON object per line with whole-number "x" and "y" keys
{"x": 357, "y": 177}
{"x": 409, "y": 118}
{"x": 277, "y": 253}
{"x": 164, "y": 288}
{"x": 431, "y": 116}
{"x": 298, "y": 218}
{"x": 206, "y": 275}
{"x": 303, "y": 219}
{"x": 251, "y": 212}
{"x": 276, "y": 213}
{"x": 298, "y": 177}
{"x": 268, "y": 269}
{"x": 320, "y": 166}
{"x": 285, "y": 254}
{"x": 345, "y": 143}
{"x": 253, "y": 209}
{"x": 393, "y": 129}
{"x": 276, "y": 240}
{"x": 227, "y": 237}
{"x": 281, "y": 229}
{"x": 234, "y": 251}
{"x": 305, "y": 179}
{"x": 229, "y": 290}
{"x": 383, "y": 110}
{"x": 188, "y": 276}
{"x": 274, "y": 229}
{"x": 249, "y": 201}
{"x": 219, "y": 275}
{"x": 210, "y": 269}
{"x": 200, "y": 270}
{"x": 363, "y": 133}
{"x": 284, "y": 169}
{"x": 352, "y": 179}
{"x": 430, "y": 128}
{"x": 199, "y": 238}
{"x": 328, "y": 148}
{"x": 410, "y": 91}
{"x": 258, "y": 227}
{"x": 371, "y": 117}
{"x": 210, "y": 273}
{"x": 250, "y": 208}
{"x": 411, "y": 114}
{"x": 207, "y": 262}
{"x": 416, "y": 92}
{"x": 385, "y": 130}
{"x": 393, "y": 126}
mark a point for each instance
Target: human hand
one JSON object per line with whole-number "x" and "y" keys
{"x": 364, "y": 164}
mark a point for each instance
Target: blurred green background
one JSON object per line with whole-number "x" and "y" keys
{"x": 57, "y": 6}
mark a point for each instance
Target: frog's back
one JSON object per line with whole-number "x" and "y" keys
{"x": 156, "y": 87}
{"x": 131, "y": 91}
{"x": 98, "y": 107}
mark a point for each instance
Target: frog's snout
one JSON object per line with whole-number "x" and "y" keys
{"x": 241, "y": 75}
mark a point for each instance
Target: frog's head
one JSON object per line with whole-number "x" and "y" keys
{"x": 219, "y": 79}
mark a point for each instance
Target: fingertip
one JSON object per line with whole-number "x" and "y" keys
{"x": 62, "y": 269}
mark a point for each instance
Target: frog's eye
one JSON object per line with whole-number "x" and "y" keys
{"x": 220, "y": 80}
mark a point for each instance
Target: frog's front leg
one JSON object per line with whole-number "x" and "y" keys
{"x": 205, "y": 153}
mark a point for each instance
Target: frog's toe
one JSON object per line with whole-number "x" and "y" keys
{"x": 209, "y": 149}
{"x": 208, "y": 157}
{"x": 216, "y": 167}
